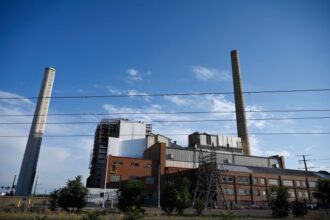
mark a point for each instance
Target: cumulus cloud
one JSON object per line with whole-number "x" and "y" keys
{"x": 205, "y": 74}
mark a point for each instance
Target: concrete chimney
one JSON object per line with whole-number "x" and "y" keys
{"x": 31, "y": 155}
{"x": 239, "y": 103}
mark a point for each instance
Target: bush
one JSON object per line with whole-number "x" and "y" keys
{"x": 131, "y": 195}
{"x": 299, "y": 209}
{"x": 279, "y": 201}
{"x": 92, "y": 216}
{"x": 73, "y": 195}
{"x": 133, "y": 213}
{"x": 175, "y": 197}
{"x": 199, "y": 207}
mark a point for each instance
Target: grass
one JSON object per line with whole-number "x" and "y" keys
{"x": 74, "y": 216}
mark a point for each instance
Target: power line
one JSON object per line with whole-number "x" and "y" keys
{"x": 173, "y": 134}
{"x": 168, "y": 113}
{"x": 166, "y": 94}
{"x": 171, "y": 121}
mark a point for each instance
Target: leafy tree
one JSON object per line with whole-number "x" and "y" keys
{"x": 131, "y": 195}
{"x": 53, "y": 197}
{"x": 299, "y": 209}
{"x": 199, "y": 207}
{"x": 183, "y": 198}
{"x": 323, "y": 187}
{"x": 73, "y": 195}
{"x": 279, "y": 201}
{"x": 175, "y": 197}
{"x": 169, "y": 197}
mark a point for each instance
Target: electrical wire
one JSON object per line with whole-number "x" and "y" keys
{"x": 166, "y": 94}
{"x": 170, "y": 121}
{"x": 169, "y": 134}
{"x": 168, "y": 113}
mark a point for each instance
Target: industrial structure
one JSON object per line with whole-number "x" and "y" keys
{"x": 31, "y": 155}
{"x": 221, "y": 168}
{"x": 242, "y": 130}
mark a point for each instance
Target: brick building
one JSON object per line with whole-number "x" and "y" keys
{"x": 244, "y": 185}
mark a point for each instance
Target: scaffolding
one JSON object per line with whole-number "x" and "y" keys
{"x": 208, "y": 188}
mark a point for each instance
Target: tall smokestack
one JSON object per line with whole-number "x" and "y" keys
{"x": 239, "y": 103}
{"x": 31, "y": 155}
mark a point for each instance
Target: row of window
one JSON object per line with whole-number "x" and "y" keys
{"x": 262, "y": 192}
{"x": 133, "y": 164}
{"x": 262, "y": 181}
{"x": 117, "y": 178}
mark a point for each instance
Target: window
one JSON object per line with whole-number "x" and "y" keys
{"x": 291, "y": 194}
{"x": 244, "y": 192}
{"x": 297, "y": 183}
{"x": 303, "y": 183}
{"x": 255, "y": 180}
{"x": 306, "y": 195}
{"x": 150, "y": 180}
{"x": 244, "y": 179}
{"x": 113, "y": 168}
{"x": 299, "y": 194}
{"x": 134, "y": 164}
{"x": 115, "y": 178}
{"x": 208, "y": 140}
{"x": 227, "y": 179}
{"x": 256, "y": 192}
{"x": 288, "y": 183}
{"x": 312, "y": 184}
{"x": 147, "y": 166}
{"x": 228, "y": 191}
{"x": 117, "y": 163}
{"x": 262, "y": 181}
{"x": 264, "y": 193}
{"x": 273, "y": 182}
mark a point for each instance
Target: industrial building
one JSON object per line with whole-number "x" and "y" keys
{"x": 125, "y": 150}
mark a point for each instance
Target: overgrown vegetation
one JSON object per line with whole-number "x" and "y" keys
{"x": 72, "y": 197}
{"x": 299, "y": 209}
{"x": 131, "y": 199}
{"x": 323, "y": 186}
{"x": 199, "y": 207}
{"x": 175, "y": 198}
{"x": 279, "y": 201}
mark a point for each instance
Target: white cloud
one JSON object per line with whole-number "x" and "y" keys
{"x": 205, "y": 74}
{"x": 56, "y": 155}
{"x": 16, "y": 99}
{"x": 133, "y": 75}
{"x": 179, "y": 101}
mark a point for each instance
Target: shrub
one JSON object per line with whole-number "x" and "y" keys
{"x": 299, "y": 209}
{"x": 279, "y": 201}
{"x": 199, "y": 207}
{"x": 133, "y": 213}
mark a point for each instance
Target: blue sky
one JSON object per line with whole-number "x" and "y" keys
{"x": 129, "y": 47}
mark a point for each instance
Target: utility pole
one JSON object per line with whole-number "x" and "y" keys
{"x": 304, "y": 160}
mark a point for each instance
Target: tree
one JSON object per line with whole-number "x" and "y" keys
{"x": 73, "y": 195}
{"x": 279, "y": 201}
{"x": 131, "y": 195}
{"x": 299, "y": 209}
{"x": 53, "y": 197}
{"x": 199, "y": 207}
{"x": 175, "y": 197}
{"x": 169, "y": 197}
{"x": 183, "y": 198}
{"x": 323, "y": 187}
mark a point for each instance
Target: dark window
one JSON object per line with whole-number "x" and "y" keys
{"x": 227, "y": 179}
{"x": 208, "y": 139}
{"x": 244, "y": 179}
{"x": 117, "y": 163}
{"x": 134, "y": 164}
